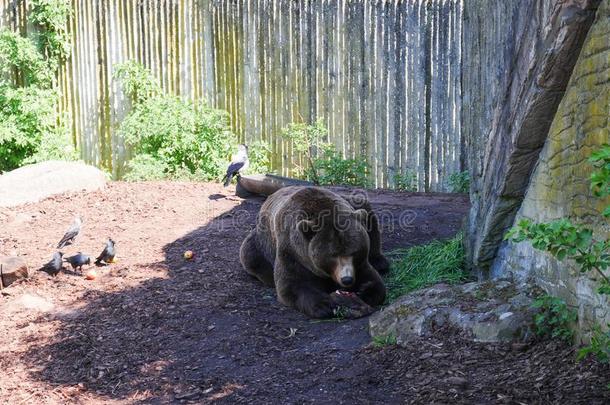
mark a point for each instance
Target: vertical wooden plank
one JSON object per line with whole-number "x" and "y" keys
{"x": 400, "y": 90}
{"x": 365, "y": 92}
{"x": 208, "y": 52}
{"x": 391, "y": 91}
{"x": 384, "y": 86}
{"x": 433, "y": 95}
{"x": 425, "y": 44}
{"x": 457, "y": 86}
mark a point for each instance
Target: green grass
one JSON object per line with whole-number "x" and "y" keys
{"x": 384, "y": 340}
{"x": 421, "y": 266}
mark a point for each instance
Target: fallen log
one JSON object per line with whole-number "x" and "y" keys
{"x": 265, "y": 184}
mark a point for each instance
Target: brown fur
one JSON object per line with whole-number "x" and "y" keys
{"x": 300, "y": 236}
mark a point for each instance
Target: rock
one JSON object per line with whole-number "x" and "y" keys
{"x": 559, "y": 186}
{"x": 13, "y": 269}
{"x": 486, "y": 312}
{"x": 457, "y": 381}
{"x": 524, "y": 72}
{"x": 36, "y": 182}
{"x": 34, "y": 303}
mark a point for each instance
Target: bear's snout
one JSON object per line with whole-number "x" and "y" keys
{"x": 347, "y": 281}
{"x": 344, "y": 273}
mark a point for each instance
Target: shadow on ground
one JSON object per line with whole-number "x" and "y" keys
{"x": 203, "y": 330}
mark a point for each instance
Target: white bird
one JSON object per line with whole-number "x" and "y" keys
{"x": 239, "y": 162}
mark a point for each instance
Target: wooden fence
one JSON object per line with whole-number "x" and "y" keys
{"x": 384, "y": 75}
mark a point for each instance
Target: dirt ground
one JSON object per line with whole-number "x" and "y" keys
{"x": 154, "y": 328}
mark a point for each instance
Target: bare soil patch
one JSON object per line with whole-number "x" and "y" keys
{"x": 155, "y": 328}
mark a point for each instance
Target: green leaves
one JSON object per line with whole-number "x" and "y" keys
{"x": 600, "y": 179}
{"x": 20, "y": 60}
{"x": 171, "y": 137}
{"x": 459, "y": 182}
{"x": 30, "y": 127}
{"x": 332, "y": 169}
{"x": 53, "y": 38}
{"x": 561, "y": 238}
{"x": 307, "y": 138}
{"x": 259, "y": 153}
{"x": 564, "y": 240}
{"x": 326, "y": 166}
{"x": 406, "y": 181}
{"x": 604, "y": 288}
{"x": 146, "y": 167}
{"x": 137, "y": 81}
{"x": 599, "y": 346}
{"x": 554, "y": 318}
{"x": 27, "y": 118}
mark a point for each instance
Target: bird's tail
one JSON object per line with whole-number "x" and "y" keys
{"x": 228, "y": 180}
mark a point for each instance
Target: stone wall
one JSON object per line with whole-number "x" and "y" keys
{"x": 559, "y": 186}
{"x": 517, "y": 60}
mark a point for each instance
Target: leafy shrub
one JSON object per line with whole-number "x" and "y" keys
{"x": 146, "y": 167}
{"x": 406, "y": 181}
{"x": 421, "y": 266}
{"x": 326, "y": 166}
{"x": 459, "y": 182}
{"x": 564, "y": 240}
{"x": 136, "y": 81}
{"x": 554, "y": 318}
{"x": 54, "y": 145}
{"x": 53, "y": 38}
{"x": 21, "y": 60}
{"x": 30, "y": 130}
{"x": 259, "y": 153}
{"x": 332, "y": 169}
{"x": 309, "y": 140}
{"x": 599, "y": 346}
{"x": 189, "y": 140}
{"x": 30, "y": 127}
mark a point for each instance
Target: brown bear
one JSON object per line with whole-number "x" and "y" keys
{"x": 308, "y": 242}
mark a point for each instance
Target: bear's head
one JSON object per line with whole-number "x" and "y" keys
{"x": 337, "y": 244}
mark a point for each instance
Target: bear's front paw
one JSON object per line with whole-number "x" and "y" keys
{"x": 380, "y": 263}
{"x": 321, "y": 310}
{"x": 348, "y": 305}
{"x": 373, "y": 293}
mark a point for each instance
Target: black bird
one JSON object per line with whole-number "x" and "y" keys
{"x": 78, "y": 261}
{"x": 107, "y": 255}
{"x": 71, "y": 233}
{"x": 239, "y": 162}
{"x": 55, "y": 265}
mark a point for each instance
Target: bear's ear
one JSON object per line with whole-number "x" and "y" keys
{"x": 306, "y": 227}
{"x": 362, "y": 215}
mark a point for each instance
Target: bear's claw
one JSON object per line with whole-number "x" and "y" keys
{"x": 347, "y": 304}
